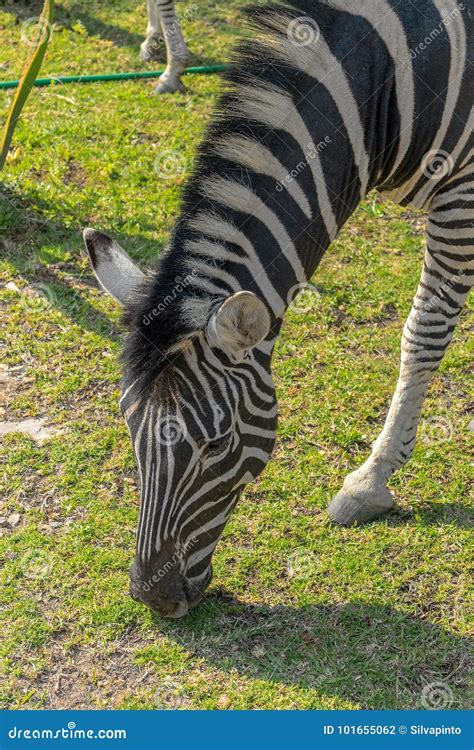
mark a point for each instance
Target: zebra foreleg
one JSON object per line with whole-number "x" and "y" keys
{"x": 447, "y": 276}
{"x": 150, "y": 49}
{"x": 179, "y": 56}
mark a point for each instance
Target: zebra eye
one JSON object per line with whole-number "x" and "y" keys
{"x": 216, "y": 446}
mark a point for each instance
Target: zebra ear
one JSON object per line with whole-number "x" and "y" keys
{"x": 239, "y": 324}
{"x": 116, "y": 272}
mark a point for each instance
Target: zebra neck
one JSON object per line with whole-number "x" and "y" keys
{"x": 295, "y": 148}
{"x": 269, "y": 197}
{"x": 265, "y": 229}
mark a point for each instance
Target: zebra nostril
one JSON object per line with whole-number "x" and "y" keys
{"x": 196, "y": 588}
{"x": 164, "y": 594}
{"x": 168, "y": 608}
{"x": 157, "y": 603}
{"x": 164, "y": 588}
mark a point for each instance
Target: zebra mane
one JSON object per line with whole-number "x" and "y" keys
{"x": 168, "y": 311}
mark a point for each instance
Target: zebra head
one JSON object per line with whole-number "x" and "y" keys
{"x": 201, "y": 430}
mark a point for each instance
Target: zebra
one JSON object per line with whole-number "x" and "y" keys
{"x": 164, "y": 25}
{"x": 364, "y": 95}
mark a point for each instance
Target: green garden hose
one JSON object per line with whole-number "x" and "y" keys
{"x": 202, "y": 69}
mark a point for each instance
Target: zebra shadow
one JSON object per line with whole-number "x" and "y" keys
{"x": 436, "y": 514}
{"x": 83, "y": 13}
{"x": 35, "y": 246}
{"x": 367, "y": 656}
{"x": 67, "y": 16}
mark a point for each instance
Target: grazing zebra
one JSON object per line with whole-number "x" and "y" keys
{"x": 330, "y": 100}
{"x": 163, "y": 25}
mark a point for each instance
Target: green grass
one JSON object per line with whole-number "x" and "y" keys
{"x": 301, "y": 614}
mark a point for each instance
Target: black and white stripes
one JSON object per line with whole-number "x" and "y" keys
{"x": 328, "y": 101}
{"x": 164, "y": 27}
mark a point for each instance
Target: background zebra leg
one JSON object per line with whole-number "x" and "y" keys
{"x": 150, "y": 49}
{"x": 446, "y": 279}
{"x": 179, "y": 56}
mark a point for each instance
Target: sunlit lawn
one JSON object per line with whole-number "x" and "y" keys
{"x": 301, "y": 614}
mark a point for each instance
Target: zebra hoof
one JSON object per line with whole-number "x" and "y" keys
{"x": 168, "y": 86}
{"x": 356, "y": 507}
{"x": 151, "y": 49}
